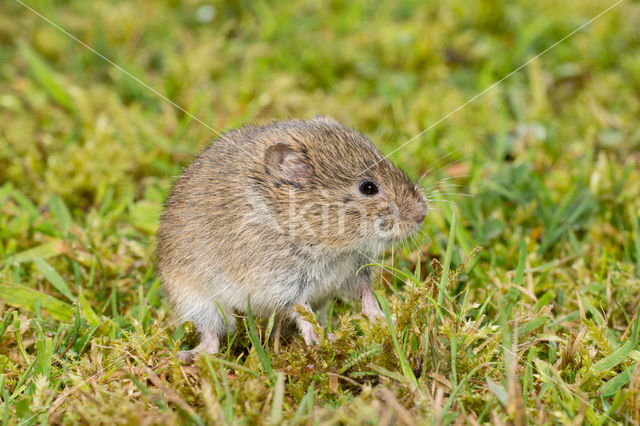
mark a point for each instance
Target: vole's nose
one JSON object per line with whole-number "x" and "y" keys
{"x": 420, "y": 212}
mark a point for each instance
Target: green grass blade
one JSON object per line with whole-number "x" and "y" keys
{"x": 235, "y": 366}
{"x": 381, "y": 371}
{"x": 253, "y": 335}
{"x": 8, "y": 319}
{"x": 43, "y": 251}
{"x": 404, "y": 363}
{"x": 44, "y": 353}
{"x": 54, "y": 278}
{"x": 513, "y": 293}
{"x": 558, "y": 230}
{"x": 498, "y": 391}
{"x": 45, "y": 76}
{"x": 447, "y": 406}
{"x": 444, "y": 278}
{"x": 531, "y": 325}
{"x": 453, "y": 343}
{"x": 229, "y": 409}
{"x": 61, "y": 212}
{"x": 82, "y": 343}
{"x": 521, "y": 263}
{"x": 636, "y": 237}
{"x": 462, "y": 236}
{"x": 544, "y": 300}
{"x": 23, "y": 297}
{"x": 614, "y": 385}
{"x": 278, "y": 400}
{"x": 87, "y": 310}
{"x": 222, "y": 390}
{"x": 270, "y": 325}
{"x": 622, "y": 353}
{"x": 606, "y": 418}
{"x": 305, "y": 403}
{"x": 19, "y": 343}
{"x": 26, "y": 204}
{"x": 527, "y": 380}
{"x": 22, "y": 382}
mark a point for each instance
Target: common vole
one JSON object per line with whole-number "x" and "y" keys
{"x": 280, "y": 215}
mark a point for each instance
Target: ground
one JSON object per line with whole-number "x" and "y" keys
{"x": 517, "y": 303}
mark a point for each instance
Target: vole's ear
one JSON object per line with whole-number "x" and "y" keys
{"x": 287, "y": 164}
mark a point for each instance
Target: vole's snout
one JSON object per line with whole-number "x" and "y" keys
{"x": 417, "y": 208}
{"x": 420, "y": 212}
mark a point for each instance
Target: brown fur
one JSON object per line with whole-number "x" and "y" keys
{"x": 228, "y": 218}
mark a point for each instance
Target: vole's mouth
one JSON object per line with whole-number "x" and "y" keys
{"x": 400, "y": 231}
{"x": 408, "y": 233}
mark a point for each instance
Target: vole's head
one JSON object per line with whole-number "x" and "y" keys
{"x": 331, "y": 187}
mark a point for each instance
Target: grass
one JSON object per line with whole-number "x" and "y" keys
{"x": 535, "y": 318}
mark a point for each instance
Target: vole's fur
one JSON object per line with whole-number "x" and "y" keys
{"x": 274, "y": 214}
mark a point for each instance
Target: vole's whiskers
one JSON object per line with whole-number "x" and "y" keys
{"x": 424, "y": 234}
{"x": 438, "y": 200}
{"x": 448, "y": 184}
{"x": 416, "y": 243}
{"x": 453, "y": 194}
{"x": 457, "y": 186}
{"x": 451, "y": 163}
{"x": 445, "y": 179}
{"x": 426, "y": 172}
{"x": 441, "y": 189}
{"x": 410, "y": 239}
{"x": 424, "y": 238}
{"x": 413, "y": 243}
{"x": 392, "y": 254}
{"x": 421, "y": 240}
{"x": 381, "y": 268}
{"x": 433, "y": 209}
{"x": 405, "y": 244}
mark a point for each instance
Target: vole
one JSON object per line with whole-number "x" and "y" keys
{"x": 280, "y": 215}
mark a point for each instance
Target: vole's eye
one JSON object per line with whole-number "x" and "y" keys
{"x": 368, "y": 187}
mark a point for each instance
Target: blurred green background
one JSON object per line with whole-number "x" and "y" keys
{"x": 549, "y": 159}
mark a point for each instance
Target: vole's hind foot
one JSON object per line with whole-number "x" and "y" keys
{"x": 305, "y": 327}
{"x": 187, "y": 357}
{"x": 209, "y": 343}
